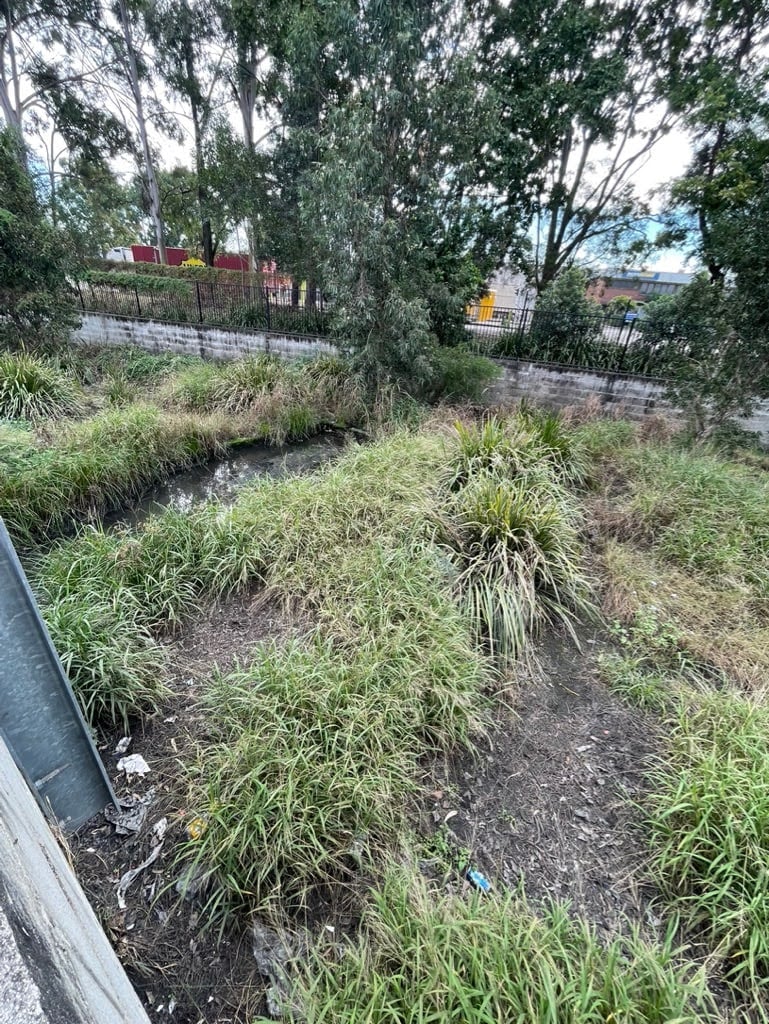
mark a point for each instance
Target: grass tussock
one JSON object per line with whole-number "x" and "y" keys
{"x": 425, "y": 957}
{"x": 161, "y": 572}
{"x": 510, "y": 529}
{"x": 291, "y": 399}
{"x": 32, "y": 388}
{"x": 317, "y": 744}
{"x": 101, "y": 463}
{"x": 709, "y": 829}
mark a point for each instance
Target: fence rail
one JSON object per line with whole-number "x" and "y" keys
{"x": 616, "y": 344}
{"x": 213, "y": 303}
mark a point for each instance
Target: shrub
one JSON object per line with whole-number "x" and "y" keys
{"x": 31, "y": 388}
{"x": 567, "y": 326}
{"x": 35, "y": 298}
{"x": 461, "y": 375}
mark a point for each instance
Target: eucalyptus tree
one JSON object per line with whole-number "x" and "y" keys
{"x": 190, "y": 58}
{"x": 132, "y": 69}
{"x": 50, "y": 66}
{"x": 581, "y": 107}
{"x": 392, "y": 204}
{"x": 717, "y": 76}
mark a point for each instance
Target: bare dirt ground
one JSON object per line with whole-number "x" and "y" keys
{"x": 184, "y": 976}
{"x": 547, "y": 803}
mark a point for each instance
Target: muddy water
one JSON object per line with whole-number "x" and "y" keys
{"x": 223, "y": 478}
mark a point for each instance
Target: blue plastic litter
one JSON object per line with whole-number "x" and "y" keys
{"x": 480, "y": 881}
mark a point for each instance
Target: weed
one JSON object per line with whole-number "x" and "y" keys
{"x": 710, "y": 625}
{"x": 195, "y": 387}
{"x": 632, "y": 679}
{"x": 428, "y": 957}
{"x": 705, "y": 515}
{"x": 32, "y": 389}
{"x": 17, "y": 442}
{"x": 120, "y": 390}
{"x": 461, "y": 375}
{"x": 709, "y": 826}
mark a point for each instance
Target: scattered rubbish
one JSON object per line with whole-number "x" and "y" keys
{"x": 450, "y": 815}
{"x": 358, "y": 849}
{"x": 193, "y": 881}
{"x": 133, "y": 810}
{"x": 134, "y": 764}
{"x": 159, "y": 830}
{"x": 584, "y": 747}
{"x": 158, "y": 835}
{"x": 480, "y": 881}
{"x": 171, "y": 718}
{"x": 122, "y": 745}
{"x": 274, "y": 954}
{"x": 196, "y": 827}
{"x": 171, "y": 1005}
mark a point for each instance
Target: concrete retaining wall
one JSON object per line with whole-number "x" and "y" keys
{"x": 632, "y": 397}
{"x": 194, "y": 339}
{"x": 557, "y": 387}
{"x": 56, "y": 964}
{"x": 554, "y": 386}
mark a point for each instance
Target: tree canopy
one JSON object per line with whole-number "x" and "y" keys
{"x": 392, "y": 154}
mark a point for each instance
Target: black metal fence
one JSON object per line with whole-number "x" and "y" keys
{"x": 220, "y": 305}
{"x": 620, "y": 344}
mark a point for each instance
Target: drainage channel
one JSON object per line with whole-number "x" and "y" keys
{"x": 223, "y": 478}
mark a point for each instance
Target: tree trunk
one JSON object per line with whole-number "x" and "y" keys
{"x": 208, "y": 243}
{"x": 10, "y": 92}
{"x": 153, "y": 189}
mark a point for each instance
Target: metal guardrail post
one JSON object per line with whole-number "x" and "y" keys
{"x": 39, "y": 716}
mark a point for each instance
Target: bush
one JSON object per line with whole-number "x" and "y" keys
{"x": 567, "y": 326}
{"x": 717, "y": 367}
{"x": 32, "y": 389}
{"x": 461, "y": 376}
{"x": 36, "y": 304}
{"x": 136, "y": 281}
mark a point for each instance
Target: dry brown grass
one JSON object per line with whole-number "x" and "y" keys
{"x": 717, "y": 624}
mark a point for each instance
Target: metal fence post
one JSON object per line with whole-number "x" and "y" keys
{"x": 200, "y": 304}
{"x": 267, "y": 307}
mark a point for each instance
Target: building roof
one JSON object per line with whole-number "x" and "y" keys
{"x": 661, "y": 276}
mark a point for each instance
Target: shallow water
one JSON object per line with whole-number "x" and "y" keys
{"x": 223, "y": 478}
